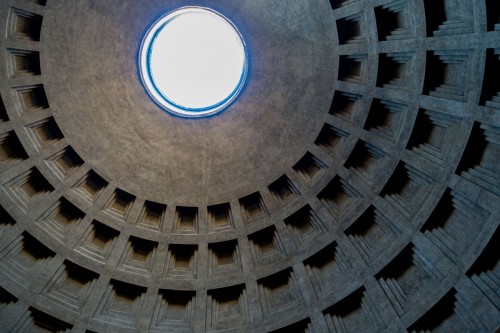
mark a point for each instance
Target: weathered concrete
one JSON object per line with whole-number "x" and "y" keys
{"x": 352, "y": 186}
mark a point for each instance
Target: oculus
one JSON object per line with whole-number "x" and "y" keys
{"x": 193, "y": 62}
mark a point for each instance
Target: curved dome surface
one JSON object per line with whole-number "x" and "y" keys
{"x": 353, "y": 185}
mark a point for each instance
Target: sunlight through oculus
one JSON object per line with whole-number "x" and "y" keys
{"x": 193, "y": 62}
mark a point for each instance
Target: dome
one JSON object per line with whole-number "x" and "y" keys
{"x": 351, "y": 185}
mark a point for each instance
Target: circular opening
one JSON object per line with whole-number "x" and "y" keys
{"x": 193, "y": 62}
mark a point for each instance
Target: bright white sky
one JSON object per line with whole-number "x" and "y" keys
{"x": 197, "y": 59}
